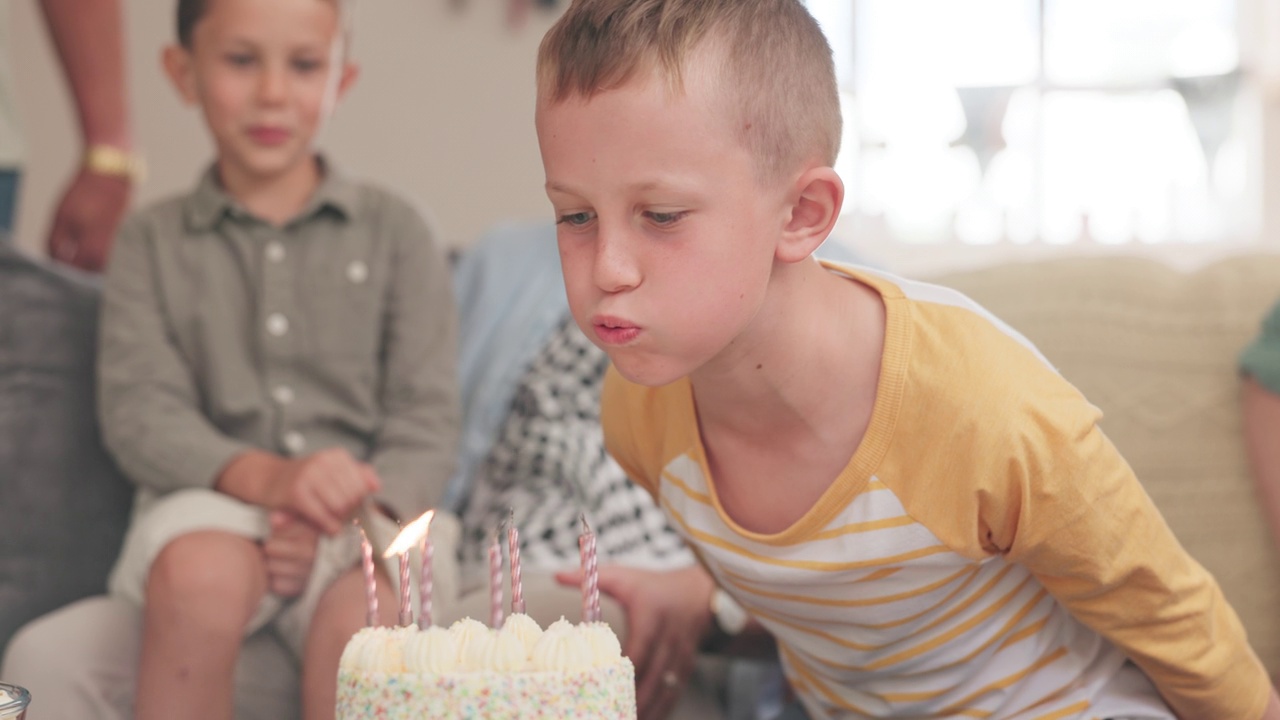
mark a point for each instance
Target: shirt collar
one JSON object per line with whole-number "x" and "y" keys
{"x": 209, "y": 203}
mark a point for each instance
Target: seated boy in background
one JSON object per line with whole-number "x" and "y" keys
{"x": 277, "y": 350}
{"x": 896, "y": 485}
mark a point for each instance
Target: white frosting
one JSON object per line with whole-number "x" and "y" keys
{"x": 525, "y": 628}
{"x": 431, "y": 651}
{"x": 479, "y": 650}
{"x": 464, "y": 630}
{"x": 560, "y": 626}
{"x": 375, "y": 649}
{"x": 469, "y": 646}
{"x": 604, "y": 645}
{"x": 509, "y": 653}
{"x": 561, "y": 649}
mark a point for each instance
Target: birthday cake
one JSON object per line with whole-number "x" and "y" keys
{"x": 473, "y": 671}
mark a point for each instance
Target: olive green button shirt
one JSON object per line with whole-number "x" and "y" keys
{"x": 222, "y": 333}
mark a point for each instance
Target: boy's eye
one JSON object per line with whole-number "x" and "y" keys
{"x": 666, "y": 218}
{"x": 240, "y": 59}
{"x": 577, "y": 219}
{"x": 306, "y": 65}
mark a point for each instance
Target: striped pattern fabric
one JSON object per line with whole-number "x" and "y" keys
{"x": 986, "y": 553}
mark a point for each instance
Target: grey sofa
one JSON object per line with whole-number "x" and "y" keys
{"x": 63, "y": 504}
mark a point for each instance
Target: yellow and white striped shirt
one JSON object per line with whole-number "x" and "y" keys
{"x": 985, "y": 553}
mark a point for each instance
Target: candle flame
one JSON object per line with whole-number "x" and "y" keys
{"x": 410, "y": 535}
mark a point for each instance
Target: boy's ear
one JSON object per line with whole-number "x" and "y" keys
{"x": 350, "y": 72}
{"x": 178, "y": 66}
{"x": 815, "y": 203}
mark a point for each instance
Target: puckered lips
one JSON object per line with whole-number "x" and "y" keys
{"x": 614, "y": 330}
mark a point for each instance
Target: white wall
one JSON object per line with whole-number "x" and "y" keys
{"x": 443, "y": 112}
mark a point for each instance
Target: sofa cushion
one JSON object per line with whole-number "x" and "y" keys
{"x": 63, "y": 504}
{"x": 1156, "y": 349}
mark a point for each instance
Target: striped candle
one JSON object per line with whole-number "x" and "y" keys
{"x": 406, "y": 610}
{"x": 513, "y": 549}
{"x": 425, "y": 581}
{"x": 590, "y": 574}
{"x": 370, "y": 583}
{"x": 495, "y": 583}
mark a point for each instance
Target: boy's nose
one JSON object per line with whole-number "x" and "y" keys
{"x": 615, "y": 267}
{"x": 272, "y": 86}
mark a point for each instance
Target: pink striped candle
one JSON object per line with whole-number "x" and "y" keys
{"x": 495, "y": 583}
{"x": 425, "y": 580}
{"x": 406, "y": 609}
{"x": 370, "y": 583}
{"x": 513, "y": 549}
{"x": 590, "y": 574}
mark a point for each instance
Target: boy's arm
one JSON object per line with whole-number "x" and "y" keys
{"x": 1071, "y": 510}
{"x": 416, "y": 447}
{"x": 89, "y": 38}
{"x": 147, "y": 402}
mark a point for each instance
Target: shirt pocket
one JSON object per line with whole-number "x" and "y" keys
{"x": 347, "y": 312}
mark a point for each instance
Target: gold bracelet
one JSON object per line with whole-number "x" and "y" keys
{"x": 110, "y": 160}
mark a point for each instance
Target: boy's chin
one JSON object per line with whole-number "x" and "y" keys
{"x": 649, "y": 372}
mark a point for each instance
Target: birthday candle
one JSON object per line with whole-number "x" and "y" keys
{"x": 425, "y": 581}
{"x": 513, "y": 549}
{"x": 590, "y": 574}
{"x": 495, "y": 583}
{"x": 370, "y": 584}
{"x": 406, "y": 612}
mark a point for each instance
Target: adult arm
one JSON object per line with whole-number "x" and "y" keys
{"x": 89, "y": 40}
{"x": 1261, "y": 408}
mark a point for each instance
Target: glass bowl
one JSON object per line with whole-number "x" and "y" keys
{"x": 14, "y": 706}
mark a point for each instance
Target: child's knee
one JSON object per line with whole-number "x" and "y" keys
{"x": 207, "y": 569}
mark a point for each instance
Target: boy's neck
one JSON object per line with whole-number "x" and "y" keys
{"x": 786, "y": 380}
{"x": 276, "y": 198}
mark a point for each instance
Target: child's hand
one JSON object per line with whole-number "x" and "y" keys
{"x": 290, "y": 550}
{"x": 323, "y": 489}
{"x": 668, "y": 613}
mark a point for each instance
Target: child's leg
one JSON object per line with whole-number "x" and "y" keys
{"x": 202, "y": 590}
{"x": 339, "y": 614}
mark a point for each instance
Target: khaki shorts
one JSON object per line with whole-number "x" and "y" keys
{"x": 186, "y": 511}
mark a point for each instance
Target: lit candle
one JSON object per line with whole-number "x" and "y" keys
{"x": 412, "y": 534}
{"x": 495, "y": 583}
{"x": 370, "y": 584}
{"x": 425, "y": 580}
{"x": 590, "y": 574}
{"x": 513, "y": 549}
{"x": 406, "y": 612}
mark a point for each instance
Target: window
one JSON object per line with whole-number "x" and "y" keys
{"x": 1007, "y": 123}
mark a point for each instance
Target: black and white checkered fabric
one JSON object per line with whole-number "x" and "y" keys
{"x": 549, "y": 465}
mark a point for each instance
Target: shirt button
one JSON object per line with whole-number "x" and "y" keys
{"x": 277, "y": 324}
{"x": 283, "y": 394}
{"x": 275, "y": 251}
{"x": 294, "y": 442}
{"x": 357, "y": 272}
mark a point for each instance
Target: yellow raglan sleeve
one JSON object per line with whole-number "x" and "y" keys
{"x": 1070, "y": 509}
{"x": 622, "y": 415}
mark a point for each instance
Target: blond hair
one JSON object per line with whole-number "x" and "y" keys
{"x": 775, "y": 67}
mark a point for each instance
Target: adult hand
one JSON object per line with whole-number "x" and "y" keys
{"x": 668, "y": 613}
{"x": 290, "y": 550}
{"x": 324, "y": 488}
{"x": 85, "y": 222}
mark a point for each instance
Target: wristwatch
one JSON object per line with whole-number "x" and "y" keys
{"x": 728, "y": 614}
{"x": 114, "y": 161}
{"x": 728, "y": 620}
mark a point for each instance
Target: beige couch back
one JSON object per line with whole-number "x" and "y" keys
{"x": 1156, "y": 349}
